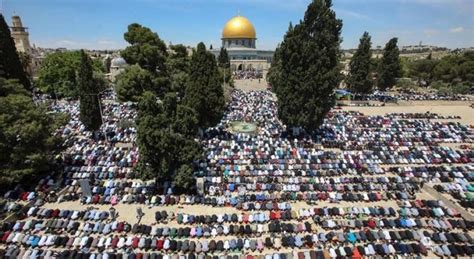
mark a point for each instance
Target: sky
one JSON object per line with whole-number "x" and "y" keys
{"x": 100, "y": 24}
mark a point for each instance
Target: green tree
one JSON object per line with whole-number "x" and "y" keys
{"x": 406, "y": 84}
{"x": 25, "y": 60}
{"x": 10, "y": 64}
{"x": 178, "y": 67}
{"x": 204, "y": 92}
{"x": 147, "y": 49}
{"x": 90, "y": 114}
{"x": 133, "y": 82}
{"x": 422, "y": 70}
{"x": 389, "y": 67}
{"x": 223, "y": 59}
{"x": 455, "y": 68}
{"x": 167, "y": 149}
{"x": 360, "y": 76}
{"x": 58, "y": 74}
{"x": 274, "y": 73}
{"x": 223, "y": 62}
{"x": 107, "y": 63}
{"x": 28, "y": 143}
{"x": 309, "y": 73}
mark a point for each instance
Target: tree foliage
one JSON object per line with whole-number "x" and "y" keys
{"x": 27, "y": 140}
{"x": 360, "y": 76}
{"x": 204, "y": 92}
{"x": 452, "y": 74}
{"x": 133, "y": 82}
{"x": 223, "y": 59}
{"x": 147, "y": 51}
{"x": 274, "y": 73}
{"x": 58, "y": 74}
{"x": 389, "y": 67}
{"x": 422, "y": 70}
{"x": 167, "y": 149}
{"x": 25, "y": 60}
{"x": 90, "y": 114}
{"x": 178, "y": 67}
{"x": 10, "y": 64}
{"x": 307, "y": 70}
{"x": 455, "y": 68}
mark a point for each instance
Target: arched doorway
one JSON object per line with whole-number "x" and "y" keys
{"x": 240, "y": 67}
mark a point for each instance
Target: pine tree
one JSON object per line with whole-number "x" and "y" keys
{"x": 309, "y": 56}
{"x": 149, "y": 52}
{"x": 10, "y": 64}
{"x": 360, "y": 77}
{"x": 28, "y": 142}
{"x": 204, "y": 92}
{"x": 223, "y": 59}
{"x": 90, "y": 114}
{"x": 389, "y": 67}
{"x": 274, "y": 73}
{"x": 165, "y": 138}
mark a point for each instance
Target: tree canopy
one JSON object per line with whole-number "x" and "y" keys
{"x": 133, "y": 82}
{"x": 223, "y": 59}
{"x": 389, "y": 67}
{"x": 204, "y": 92}
{"x": 165, "y": 137}
{"x": 90, "y": 114}
{"x": 58, "y": 74}
{"x": 149, "y": 53}
{"x": 178, "y": 67}
{"x": 360, "y": 76}
{"x": 28, "y": 143}
{"x": 10, "y": 64}
{"x": 307, "y": 70}
{"x": 147, "y": 49}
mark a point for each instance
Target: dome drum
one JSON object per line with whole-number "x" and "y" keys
{"x": 238, "y": 43}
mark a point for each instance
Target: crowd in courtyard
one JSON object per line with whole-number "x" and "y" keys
{"x": 352, "y": 189}
{"x": 247, "y": 74}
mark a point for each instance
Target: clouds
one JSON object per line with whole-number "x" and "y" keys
{"x": 430, "y": 32}
{"x": 351, "y": 14}
{"x": 457, "y": 29}
{"x": 80, "y": 44}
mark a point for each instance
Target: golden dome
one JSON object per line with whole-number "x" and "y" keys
{"x": 239, "y": 27}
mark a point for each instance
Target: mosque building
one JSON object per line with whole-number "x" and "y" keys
{"x": 239, "y": 38}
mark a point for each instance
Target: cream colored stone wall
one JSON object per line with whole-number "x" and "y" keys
{"x": 259, "y": 65}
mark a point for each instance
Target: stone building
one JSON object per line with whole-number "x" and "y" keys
{"x": 20, "y": 35}
{"x": 239, "y": 37}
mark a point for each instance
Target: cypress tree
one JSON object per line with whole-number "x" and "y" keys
{"x": 360, "y": 77}
{"x": 223, "y": 59}
{"x": 88, "y": 95}
{"x": 10, "y": 64}
{"x": 309, "y": 56}
{"x": 204, "y": 92}
{"x": 274, "y": 73}
{"x": 165, "y": 138}
{"x": 389, "y": 67}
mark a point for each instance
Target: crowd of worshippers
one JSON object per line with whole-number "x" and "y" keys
{"x": 409, "y": 96}
{"x": 424, "y": 224}
{"x": 247, "y": 74}
{"x": 262, "y": 176}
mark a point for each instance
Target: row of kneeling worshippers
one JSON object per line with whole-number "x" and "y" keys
{"x": 395, "y": 250}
